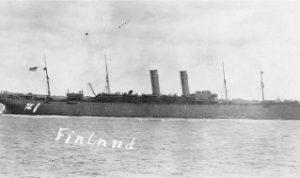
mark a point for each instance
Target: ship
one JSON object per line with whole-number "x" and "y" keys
{"x": 198, "y": 105}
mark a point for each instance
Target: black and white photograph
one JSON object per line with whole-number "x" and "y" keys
{"x": 150, "y": 89}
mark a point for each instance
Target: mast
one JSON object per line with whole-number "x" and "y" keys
{"x": 47, "y": 77}
{"x": 262, "y": 86}
{"x": 225, "y": 83}
{"x": 107, "y": 77}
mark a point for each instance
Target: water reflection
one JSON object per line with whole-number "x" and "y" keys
{"x": 165, "y": 148}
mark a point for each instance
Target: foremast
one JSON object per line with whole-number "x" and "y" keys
{"x": 47, "y": 77}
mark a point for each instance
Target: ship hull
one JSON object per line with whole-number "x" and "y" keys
{"x": 85, "y": 108}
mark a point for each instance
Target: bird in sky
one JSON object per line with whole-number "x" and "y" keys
{"x": 123, "y": 24}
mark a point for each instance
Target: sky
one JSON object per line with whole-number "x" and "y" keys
{"x": 249, "y": 36}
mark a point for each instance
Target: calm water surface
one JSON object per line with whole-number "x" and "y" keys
{"x": 163, "y": 147}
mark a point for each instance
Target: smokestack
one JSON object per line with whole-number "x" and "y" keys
{"x": 154, "y": 82}
{"x": 184, "y": 83}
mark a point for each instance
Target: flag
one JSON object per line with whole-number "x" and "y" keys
{"x": 33, "y": 68}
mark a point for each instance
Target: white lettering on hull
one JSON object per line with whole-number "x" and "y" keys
{"x": 31, "y": 106}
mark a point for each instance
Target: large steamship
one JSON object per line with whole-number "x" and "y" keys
{"x": 201, "y": 104}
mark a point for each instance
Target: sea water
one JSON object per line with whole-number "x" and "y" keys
{"x": 162, "y": 147}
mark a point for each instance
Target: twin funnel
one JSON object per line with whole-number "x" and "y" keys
{"x": 184, "y": 83}
{"x": 155, "y": 83}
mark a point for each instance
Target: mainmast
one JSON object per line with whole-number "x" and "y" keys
{"x": 47, "y": 77}
{"x": 262, "y": 85}
{"x": 225, "y": 84}
{"x": 107, "y": 77}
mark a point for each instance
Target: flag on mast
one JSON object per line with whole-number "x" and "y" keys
{"x": 33, "y": 68}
